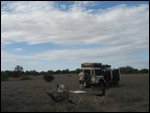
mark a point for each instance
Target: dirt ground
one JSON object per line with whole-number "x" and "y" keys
{"x": 30, "y": 95}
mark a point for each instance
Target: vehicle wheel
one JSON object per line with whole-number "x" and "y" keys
{"x": 117, "y": 83}
{"x": 101, "y": 84}
{"x": 102, "y": 88}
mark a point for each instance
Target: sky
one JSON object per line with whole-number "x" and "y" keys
{"x": 52, "y": 35}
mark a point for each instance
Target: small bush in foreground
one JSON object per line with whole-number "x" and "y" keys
{"x": 48, "y": 77}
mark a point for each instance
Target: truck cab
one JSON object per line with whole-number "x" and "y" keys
{"x": 93, "y": 73}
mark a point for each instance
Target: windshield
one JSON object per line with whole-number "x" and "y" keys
{"x": 98, "y": 72}
{"x": 87, "y": 71}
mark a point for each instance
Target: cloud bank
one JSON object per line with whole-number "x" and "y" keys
{"x": 121, "y": 30}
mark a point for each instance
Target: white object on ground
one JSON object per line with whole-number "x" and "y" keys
{"x": 78, "y": 91}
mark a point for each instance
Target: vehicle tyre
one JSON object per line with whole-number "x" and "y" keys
{"x": 102, "y": 89}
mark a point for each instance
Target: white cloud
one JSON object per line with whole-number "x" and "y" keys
{"x": 18, "y": 49}
{"x": 40, "y": 26}
{"x": 116, "y": 56}
{"x": 123, "y": 30}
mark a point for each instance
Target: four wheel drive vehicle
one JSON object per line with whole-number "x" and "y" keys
{"x": 98, "y": 75}
{"x": 93, "y": 73}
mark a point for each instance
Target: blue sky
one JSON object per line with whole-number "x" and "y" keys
{"x": 59, "y": 35}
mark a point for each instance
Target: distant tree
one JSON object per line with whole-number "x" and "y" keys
{"x": 10, "y": 73}
{"x": 131, "y": 70}
{"x": 18, "y": 68}
{"x": 43, "y": 73}
{"x": 66, "y": 71}
{"x": 126, "y": 70}
{"x": 18, "y": 71}
{"x": 34, "y": 73}
{"x": 144, "y": 71}
{"x": 58, "y": 72}
{"x": 135, "y": 71}
{"x": 50, "y": 72}
{"x": 27, "y": 73}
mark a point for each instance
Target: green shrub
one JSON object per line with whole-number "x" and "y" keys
{"x": 4, "y": 76}
{"x": 16, "y": 74}
{"x": 48, "y": 77}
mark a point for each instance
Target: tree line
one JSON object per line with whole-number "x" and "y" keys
{"x": 131, "y": 70}
{"x": 19, "y": 71}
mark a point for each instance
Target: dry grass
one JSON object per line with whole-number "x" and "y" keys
{"x": 30, "y": 95}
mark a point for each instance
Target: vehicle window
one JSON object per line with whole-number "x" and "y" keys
{"x": 87, "y": 71}
{"x": 98, "y": 72}
{"x": 92, "y": 72}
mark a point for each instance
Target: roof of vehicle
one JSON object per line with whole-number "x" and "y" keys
{"x": 91, "y": 65}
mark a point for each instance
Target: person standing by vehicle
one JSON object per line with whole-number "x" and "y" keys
{"x": 81, "y": 77}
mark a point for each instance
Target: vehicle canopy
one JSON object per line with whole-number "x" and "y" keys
{"x": 92, "y": 68}
{"x": 96, "y": 65}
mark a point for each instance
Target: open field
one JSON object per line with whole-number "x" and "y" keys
{"x": 30, "y": 95}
